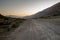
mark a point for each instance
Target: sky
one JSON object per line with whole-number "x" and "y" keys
{"x": 24, "y": 7}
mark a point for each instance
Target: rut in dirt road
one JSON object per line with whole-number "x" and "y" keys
{"x": 36, "y": 30}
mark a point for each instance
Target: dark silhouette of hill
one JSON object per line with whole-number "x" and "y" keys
{"x": 51, "y": 11}
{"x": 1, "y": 16}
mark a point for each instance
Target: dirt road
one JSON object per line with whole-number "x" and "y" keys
{"x": 37, "y": 29}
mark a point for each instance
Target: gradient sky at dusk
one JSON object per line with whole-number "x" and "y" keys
{"x": 24, "y": 7}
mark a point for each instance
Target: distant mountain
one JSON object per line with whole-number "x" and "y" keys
{"x": 51, "y": 11}
{"x": 13, "y": 16}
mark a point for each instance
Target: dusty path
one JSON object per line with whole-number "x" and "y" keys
{"x": 39, "y": 29}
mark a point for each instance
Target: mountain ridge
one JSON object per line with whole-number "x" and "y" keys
{"x": 51, "y": 11}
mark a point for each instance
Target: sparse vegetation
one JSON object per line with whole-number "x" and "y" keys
{"x": 55, "y": 15}
{"x": 10, "y": 23}
{"x": 50, "y": 17}
{"x": 7, "y": 24}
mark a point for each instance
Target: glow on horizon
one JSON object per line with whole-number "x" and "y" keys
{"x": 24, "y": 8}
{"x": 6, "y": 13}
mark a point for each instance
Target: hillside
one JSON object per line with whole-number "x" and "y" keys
{"x": 51, "y": 12}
